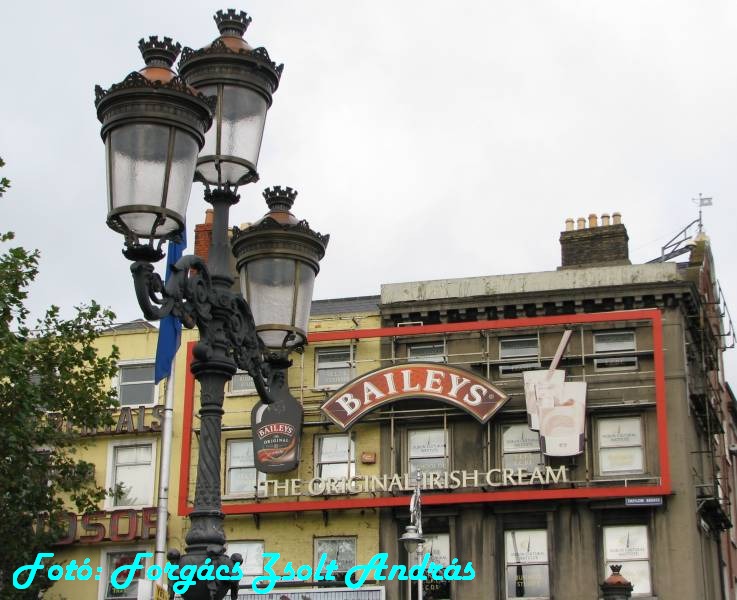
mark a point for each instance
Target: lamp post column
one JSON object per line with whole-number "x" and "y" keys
{"x": 213, "y": 366}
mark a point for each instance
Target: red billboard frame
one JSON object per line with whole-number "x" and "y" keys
{"x": 615, "y": 491}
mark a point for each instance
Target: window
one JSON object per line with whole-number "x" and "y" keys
{"x": 526, "y": 562}
{"x": 113, "y": 561}
{"x": 433, "y": 352}
{"x": 627, "y": 545}
{"x": 438, "y": 546}
{"x": 241, "y": 476}
{"x": 522, "y": 354}
{"x": 131, "y": 471}
{"x": 335, "y": 456}
{"x": 620, "y": 446}
{"x": 428, "y": 451}
{"x": 520, "y": 448}
{"x": 242, "y": 383}
{"x": 614, "y": 343}
{"x": 136, "y": 384}
{"x": 253, "y": 559}
{"x": 333, "y": 366}
{"x": 340, "y": 549}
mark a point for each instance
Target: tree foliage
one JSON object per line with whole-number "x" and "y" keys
{"x": 50, "y": 373}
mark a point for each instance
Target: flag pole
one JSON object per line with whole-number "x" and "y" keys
{"x": 166, "y": 351}
{"x": 162, "y": 515}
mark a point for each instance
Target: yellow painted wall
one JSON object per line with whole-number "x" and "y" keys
{"x": 290, "y": 534}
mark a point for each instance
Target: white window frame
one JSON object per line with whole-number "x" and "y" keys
{"x": 437, "y": 357}
{"x": 248, "y": 573}
{"x": 625, "y": 561}
{"x": 143, "y": 584}
{"x": 246, "y": 391}
{"x": 615, "y": 360}
{"x": 333, "y": 365}
{"x": 118, "y": 380}
{"x": 350, "y": 463}
{"x": 514, "y": 366}
{"x": 528, "y": 563}
{"x": 446, "y": 448}
{"x": 316, "y": 540}
{"x": 260, "y": 490}
{"x": 505, "y": 452}
{"x": 613, "y": 474}
{"x": 110, "y": 473}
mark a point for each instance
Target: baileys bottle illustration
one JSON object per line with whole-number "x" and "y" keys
{"x": 277, "y": 428}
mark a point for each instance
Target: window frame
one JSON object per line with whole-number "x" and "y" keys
{"x": 503, "y": 452}
{"x": 250, "y": 391}
{"x": 514, "y": 366}
{"x": 247, "y": 577}
{"x": 600, "y": 473}
{"x": 319, "y": 367}
{"x": 110, "y": 476}
{"x": 446, "y": 448}
{"x": 338, "y": 574}
{"x": 259, "y": 492}
{"x": 605, "y": 360}
{"x": 317, "y": 454}
{"x": 439, "y": 358}
{"x": 105, "y": 574}
{"x": 506, "y": 564}
{"x": 624, "y": 561}
{"x": 118, "y": 383}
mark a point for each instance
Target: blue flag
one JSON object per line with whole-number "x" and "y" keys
{"x": 170, "y": 329}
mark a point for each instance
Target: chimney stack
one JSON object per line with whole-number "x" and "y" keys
{"x": 203, "y": 236}
{"x": 595, "y": 245}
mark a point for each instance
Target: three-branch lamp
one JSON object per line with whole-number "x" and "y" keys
{"x": 155, "y": 123}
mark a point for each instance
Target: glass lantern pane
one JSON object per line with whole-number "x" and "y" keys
{"x": 236, "y": 132}
{"x": 304, "y": 296}
{"x": 181, "y": 174}
{"x": 210, "y": 134}
{"x": 268, "y": 286}
{"x": 138, "y": 155}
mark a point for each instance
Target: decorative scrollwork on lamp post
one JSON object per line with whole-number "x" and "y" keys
{"x": 154, "y": 124}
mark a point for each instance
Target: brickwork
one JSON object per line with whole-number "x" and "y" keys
{"x": 203, "y": 236}
{"x": 595, "y": 246}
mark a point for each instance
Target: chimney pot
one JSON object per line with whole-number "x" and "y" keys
{"x": 581, "y": 223}
{"x": 569, "y": 224}
{"x": 617, "y": 217}
{"x": 593, "y": 220}
{"x": 605, "y": 220}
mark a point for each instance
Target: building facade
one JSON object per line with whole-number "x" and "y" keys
{"x": 429, "y": 377}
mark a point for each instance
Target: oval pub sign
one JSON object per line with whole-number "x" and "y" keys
{"x": 451, "y": 385}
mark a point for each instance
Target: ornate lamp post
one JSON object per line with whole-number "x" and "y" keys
{"x": 412, "y": 536}
{"x": 154, "y": 123}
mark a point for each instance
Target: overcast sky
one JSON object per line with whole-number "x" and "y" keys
{"x": 430, "y": 139}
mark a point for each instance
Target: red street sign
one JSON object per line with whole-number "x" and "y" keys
{"x": 451, "y": 385}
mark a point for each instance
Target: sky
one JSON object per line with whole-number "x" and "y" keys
{"x": 430, "y": 139}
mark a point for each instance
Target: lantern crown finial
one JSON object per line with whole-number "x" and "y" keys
{"x": 280, "y": 198}
{"x": 159, "y": 53}
{"x": 232, "y": 22}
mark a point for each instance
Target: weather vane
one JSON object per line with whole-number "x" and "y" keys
{"x": 701, "y": 202}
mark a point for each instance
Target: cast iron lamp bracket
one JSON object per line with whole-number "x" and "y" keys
{"x": 189, "y": 294}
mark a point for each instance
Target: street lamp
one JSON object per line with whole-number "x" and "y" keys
{"x": 154, "y": 124}
{"x": 412, "y": 536}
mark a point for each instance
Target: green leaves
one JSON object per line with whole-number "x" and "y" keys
{"x": 51, "y": 375}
